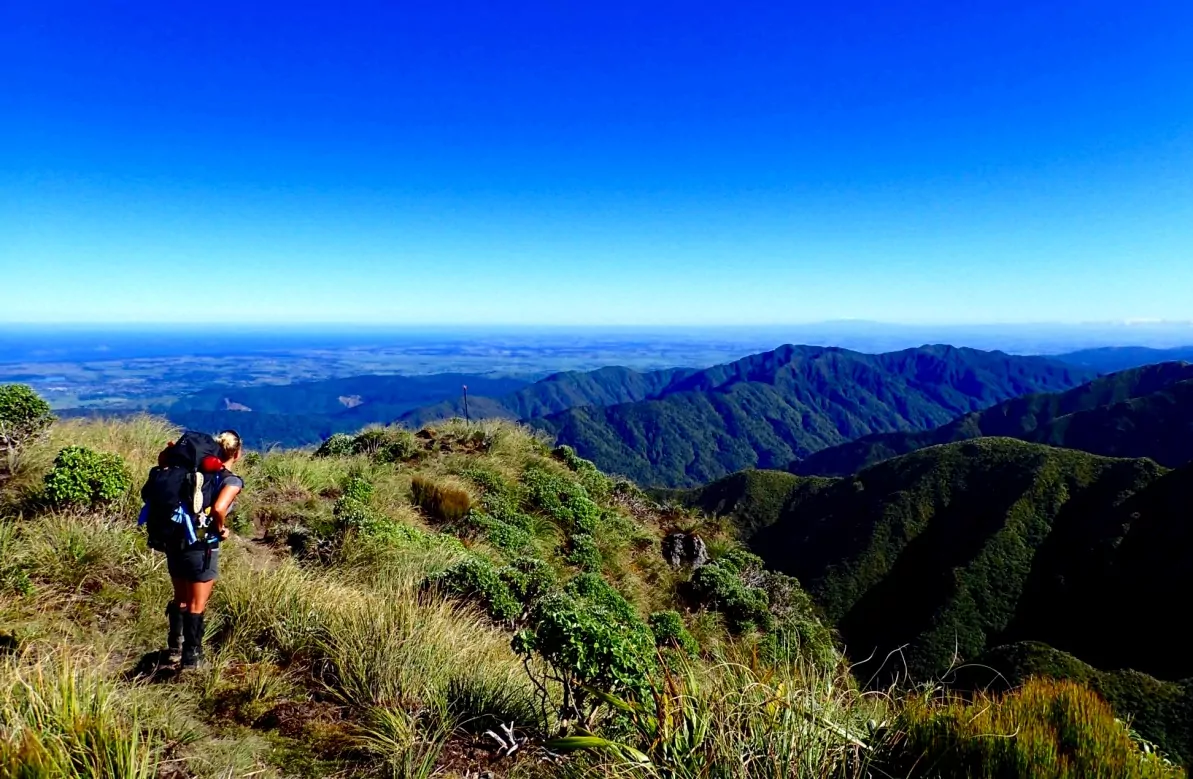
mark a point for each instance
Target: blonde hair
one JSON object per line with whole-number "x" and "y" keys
{"x": 229, "y": 442}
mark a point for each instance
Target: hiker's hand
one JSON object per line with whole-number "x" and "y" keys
{"x": 224, "y": 533}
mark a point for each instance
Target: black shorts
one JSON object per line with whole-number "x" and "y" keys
{"x": 194, "y": 565}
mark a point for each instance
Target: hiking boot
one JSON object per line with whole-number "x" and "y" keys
{"x": 192, "y": 643}
{"x": 174, "y": 640}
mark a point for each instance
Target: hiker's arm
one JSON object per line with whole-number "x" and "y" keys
{"x": 223, "y": 504}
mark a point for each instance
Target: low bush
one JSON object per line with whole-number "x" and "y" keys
{"x": 593, "y": 589}
{"x": 1046, "y": 730}
{"x": 530, "y": 579}
{"x": 386, "y": 444}
{"x": 476, "y": 578}
{"x": 565, "y": 501}
{"x": 336, "y": 445}
{"x": 597, "y": 484}
{"x": 83, "y": 478}
{"x": 353, "y": 513}
{"x": 721, "y": 588}
{"x": 506, "y": 537}
{"x": 443, "y": 502}
{"x": 670, "y": 633}
{"x": 584, "y": 553}
{"x": 795, "y": 626}
{"x": 357, "y": 488}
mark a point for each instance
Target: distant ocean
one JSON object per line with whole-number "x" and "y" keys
{"x": 80, "y": 343}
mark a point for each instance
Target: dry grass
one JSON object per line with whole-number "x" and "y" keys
{"x": 439, "y": 500}
{"x": 1047, "y": 729}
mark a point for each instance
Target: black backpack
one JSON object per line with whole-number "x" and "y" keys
{"x": 179, "y": 482}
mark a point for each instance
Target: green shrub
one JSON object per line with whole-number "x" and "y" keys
{"x": 358, "y": 489}
{"x": 476, "y": 578}
{"x": 443, "y": 502}
{"x": 721, "y": 588}
{"x": 584, "y": 553}
{"x": 1046, "y": 730}
{"x": 595, "y": 590}
{"x": 84, "y": 478}
{"x": 598, "y": 485}
{"x": 352, "y": 510}
{"x": 565, "y": 501}
{"x": 670, "y": 633}
{"x": 741, "y": 562}
{"x": 529, "y": 579}
{"x": 586, "y": 646}
{"x": 336, "y": 445}
{"x": 491, "y": 482}
{"x": 23, "y": 417}
{"x": 506, "y": 537}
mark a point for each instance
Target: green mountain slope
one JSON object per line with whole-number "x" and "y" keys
{"x": 767, "y": 409}
{"x": 1143, "y": 412}
{"x": 558, "y": 392}
{"x": 990, "y": 540}
{"x": 755, "y": 499}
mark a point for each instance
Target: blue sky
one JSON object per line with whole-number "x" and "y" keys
{"x": 597, "y": 163}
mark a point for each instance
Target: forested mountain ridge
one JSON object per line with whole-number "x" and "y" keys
{"x": 767, "y": 409}
{"x": 967, "y": 545}
{"x": 1143, "y": 412}
{"x": 558, "y": 392}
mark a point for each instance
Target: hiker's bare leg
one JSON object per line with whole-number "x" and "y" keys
{"x": 182, "y": 591}
{"x": 199, "y": 593}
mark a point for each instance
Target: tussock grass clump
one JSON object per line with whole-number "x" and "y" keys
{"x": 441, "y": 501}
{"x": 401, "y": 649}
{"x": 1047, "y": 730}
{"x": 62, "y": 719}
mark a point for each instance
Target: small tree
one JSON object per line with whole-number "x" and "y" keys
{"x": 589, "y": 639}
{"x": 23, "y": 417}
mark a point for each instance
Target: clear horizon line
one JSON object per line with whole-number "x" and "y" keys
{"x": 265, "y": 325}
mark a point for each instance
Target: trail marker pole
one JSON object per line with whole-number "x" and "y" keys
{"x": 467, "y": 417}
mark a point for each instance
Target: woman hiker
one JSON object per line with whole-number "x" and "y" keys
{"x": 194, "y": 566}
